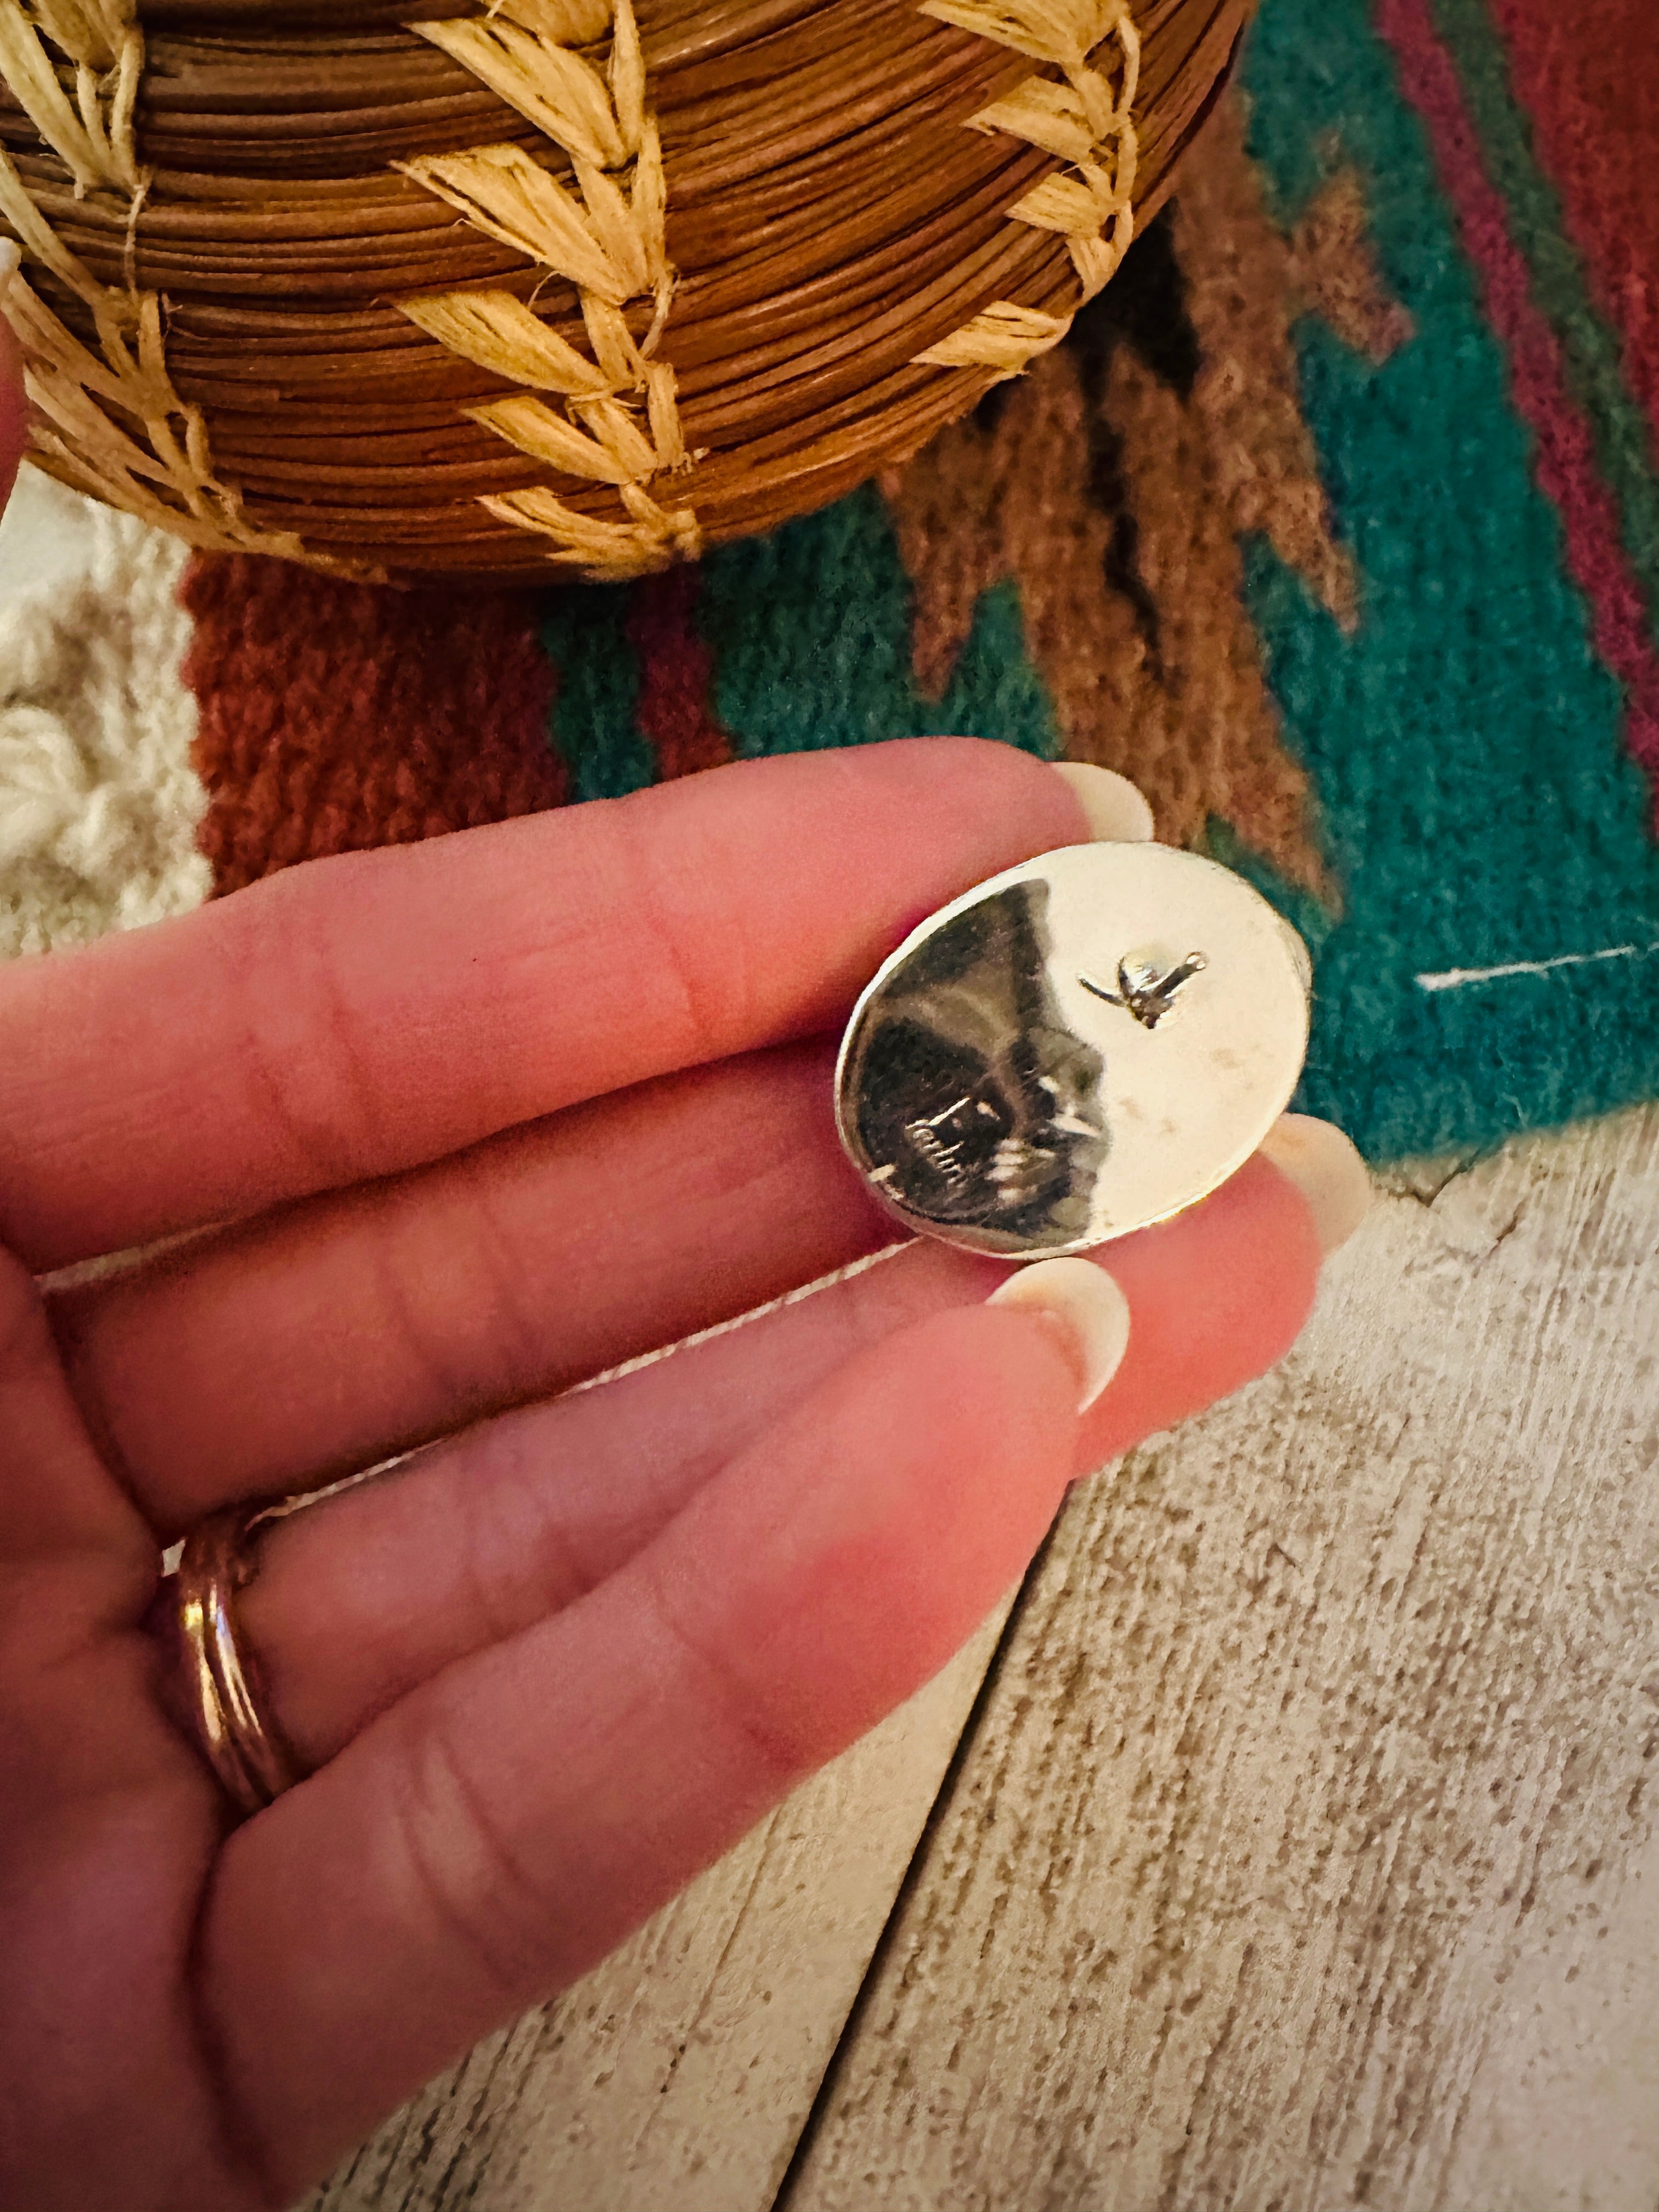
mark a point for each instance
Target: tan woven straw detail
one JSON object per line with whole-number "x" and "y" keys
{"x": 364, "y": 255}
{"x": 1004, "y": 337}
{"x": 617, "y": 417}
{"x": 87, "y": 121}
{"x": 1079, "y": 117}
{"x": 75, "y": 66}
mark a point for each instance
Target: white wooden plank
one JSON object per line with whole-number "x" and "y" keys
{"x": 681, "y": 2072}
{"x": 1304, "y": 1853}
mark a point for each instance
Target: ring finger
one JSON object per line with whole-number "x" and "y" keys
{"x": 360, "y": 1599}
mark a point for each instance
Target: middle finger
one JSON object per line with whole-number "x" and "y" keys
{"x": 289, "y": 1350}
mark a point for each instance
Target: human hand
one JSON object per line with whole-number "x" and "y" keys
{"x": 438, "y": 1133}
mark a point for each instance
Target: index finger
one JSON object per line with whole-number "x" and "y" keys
{"x": 356, "y": 1017}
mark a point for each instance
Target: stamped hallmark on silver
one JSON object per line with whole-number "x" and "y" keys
{"x": 1142, "y": 991}
{"x": 1043, "y": 1064}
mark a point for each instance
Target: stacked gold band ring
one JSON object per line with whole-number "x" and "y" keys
{"x": 242, "y": 1745}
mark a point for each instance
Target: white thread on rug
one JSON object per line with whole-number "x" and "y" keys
{"x": 99, "y": 801}
{"x": 1456, "y": 979}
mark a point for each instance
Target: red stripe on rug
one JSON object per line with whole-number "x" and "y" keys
{"x": 1567, "y": 467}
{"x": 676, "y": 672}
{"x": 337, "y": 717}
{"x": 1590, "y": 81}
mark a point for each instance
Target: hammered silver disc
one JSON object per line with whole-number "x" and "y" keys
{"x": 1084, "y": 1045}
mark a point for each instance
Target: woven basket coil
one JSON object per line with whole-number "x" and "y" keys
{"x": 537, "y": 286}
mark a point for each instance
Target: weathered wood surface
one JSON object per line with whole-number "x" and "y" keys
{"x": 1302, "y": 1852}
{"x": 1305, "y": 1855}
{"x": 682, "y": 2072}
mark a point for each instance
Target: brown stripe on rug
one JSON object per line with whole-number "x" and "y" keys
{"x": 675, "y": 713}
{"x": 1115, "y": 482}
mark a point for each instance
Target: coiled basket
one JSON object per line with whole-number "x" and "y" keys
{"x": 528, "y": 287}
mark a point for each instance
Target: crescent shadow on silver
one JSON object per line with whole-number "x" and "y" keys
{"x": 1085, "y": 1044}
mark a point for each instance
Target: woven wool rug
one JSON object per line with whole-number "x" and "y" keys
{"x": 1335, "y": 523}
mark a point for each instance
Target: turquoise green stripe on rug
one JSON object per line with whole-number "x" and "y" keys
{"x": 583, "y": 630}
{"x": 810, "y": 630}
{"x": 1480, "y": 808}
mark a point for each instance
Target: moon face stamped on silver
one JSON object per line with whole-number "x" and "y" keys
{"x": 1084, "y": 1045}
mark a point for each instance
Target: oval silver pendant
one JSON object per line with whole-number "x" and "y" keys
{"x": 1084, "y": 1045}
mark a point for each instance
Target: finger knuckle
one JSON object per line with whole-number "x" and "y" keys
{"x": 467, "y": 1884}
{"x": 773, "y": 1730}
{"x": 299, "y": 1036}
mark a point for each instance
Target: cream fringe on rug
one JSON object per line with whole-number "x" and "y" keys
{"x": 99, "y": 803}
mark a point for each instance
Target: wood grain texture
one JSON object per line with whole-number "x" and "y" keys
{"x": 1304, "y": 1856}
{"x": 681, "y": 2072}
{"x": 1301, "y": 1854}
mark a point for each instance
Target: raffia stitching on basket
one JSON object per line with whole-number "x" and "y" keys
{"x": 75, "y": 66}
{"x": 89, "y": 129}
{"x": 617, "y": 420}
{"x": 1079, "y": 117}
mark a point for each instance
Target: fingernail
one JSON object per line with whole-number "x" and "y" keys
{"x": 1083, "y": 1303}
{"x": 1328, "y": 1172}
{"x": 11, "y": 260}
{"x": 1117, "y": 811}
